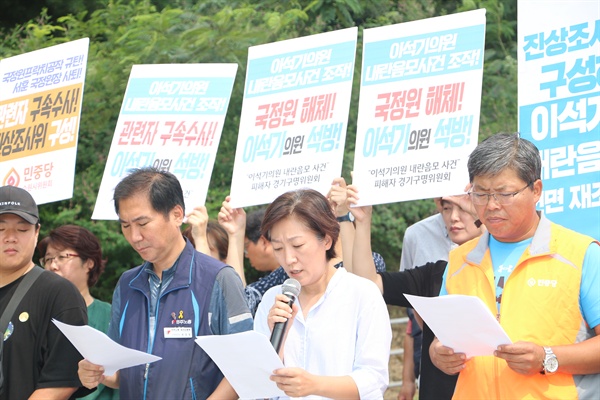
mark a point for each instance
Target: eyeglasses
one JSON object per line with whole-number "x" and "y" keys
{"x": 60, "y": 259}
{"x": 482, "y": 199}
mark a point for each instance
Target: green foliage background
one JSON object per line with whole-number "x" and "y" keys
{"x": 123, "y": 33}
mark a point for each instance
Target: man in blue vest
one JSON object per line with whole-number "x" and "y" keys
{"x": 177, "y": 294}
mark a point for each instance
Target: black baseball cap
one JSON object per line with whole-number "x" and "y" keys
{"x": 14, "y": 200}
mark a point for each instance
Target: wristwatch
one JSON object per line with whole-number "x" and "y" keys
{"x": 348, "y": 217}
{"x": 550, "y": 363}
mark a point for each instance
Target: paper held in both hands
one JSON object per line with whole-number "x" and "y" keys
{"x": 462, "y": 323}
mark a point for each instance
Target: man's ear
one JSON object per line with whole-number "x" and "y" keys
{"x": 178, "y": 214}
{"x": 438, "y": 204}
{"x": 537, "y": 189}
{"x": 264, "y": 243}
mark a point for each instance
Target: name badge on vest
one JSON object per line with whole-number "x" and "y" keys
{"x": 178, "y": 332}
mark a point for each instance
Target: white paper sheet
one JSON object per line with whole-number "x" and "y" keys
{"x": 461, "y": 322}
{"x": 247, "y": 360}
{"x": 98, "y": 348}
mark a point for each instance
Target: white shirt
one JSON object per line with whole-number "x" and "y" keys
{"x": 425, "y": 241}
{"x": 347, "y": 332}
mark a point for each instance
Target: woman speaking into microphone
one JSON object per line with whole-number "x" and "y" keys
{"x": 337, "y": 335}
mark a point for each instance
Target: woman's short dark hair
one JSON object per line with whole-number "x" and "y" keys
{"x": 82, "y": 241}
{"x": 311, "y": 208}
{"x": 217, "y": 235}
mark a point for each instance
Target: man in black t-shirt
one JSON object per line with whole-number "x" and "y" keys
{"x": 38, "y": 361}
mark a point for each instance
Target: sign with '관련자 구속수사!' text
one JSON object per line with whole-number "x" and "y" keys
{"x": 171, "y": 119}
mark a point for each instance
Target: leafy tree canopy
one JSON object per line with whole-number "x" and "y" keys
{"x": 123, "y": 33}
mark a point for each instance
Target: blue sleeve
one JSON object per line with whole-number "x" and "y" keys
{"x": 228, "y": 308}
{"x": 115, "y": 315}
{"x": 589, "y": 295}
{"x": 443, "y": 290}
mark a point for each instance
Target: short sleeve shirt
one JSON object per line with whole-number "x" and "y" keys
{"x": 36, "y": 354}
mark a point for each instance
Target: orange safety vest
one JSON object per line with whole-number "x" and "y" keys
{"x": 540, "y": 304}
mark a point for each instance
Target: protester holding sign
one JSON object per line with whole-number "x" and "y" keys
{"x": 346, "y": 359}
{"x": 206, "y": 235}
{"x": 422, "y": 280}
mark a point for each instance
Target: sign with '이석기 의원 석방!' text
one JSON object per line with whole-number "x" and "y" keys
{"x": 294, "y": 116}
{"x": 171, "y": 119}
{"x": 418, "y": 114}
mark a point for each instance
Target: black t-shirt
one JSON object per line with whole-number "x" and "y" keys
{"x": 36, "y": 354}
{"x": 423, "y": 281}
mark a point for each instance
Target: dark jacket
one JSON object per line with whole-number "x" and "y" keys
{"x": 185, "y": 371}
{"x": 423, "y": 281}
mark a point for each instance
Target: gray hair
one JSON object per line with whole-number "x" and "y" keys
{"x": 504, "y": 151}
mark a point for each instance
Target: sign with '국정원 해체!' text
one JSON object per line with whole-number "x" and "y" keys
{"x": 171, "y": 119}
{"x": 41, "y": 93}
{"x": 559, "y": 106}
{"x": 420, "y": 98}
{"x": 294, "y": 116}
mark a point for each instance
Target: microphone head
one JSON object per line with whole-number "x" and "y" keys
{"x": 291, "y": 286}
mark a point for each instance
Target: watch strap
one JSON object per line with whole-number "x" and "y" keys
{"x": 344, "y": 218}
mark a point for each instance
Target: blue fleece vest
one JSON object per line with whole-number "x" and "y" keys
{"x": 185, "y": 371}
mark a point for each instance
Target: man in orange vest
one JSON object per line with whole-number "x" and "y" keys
{"x": 540, "y": 279}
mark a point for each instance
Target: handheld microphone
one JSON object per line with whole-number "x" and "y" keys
{"x": 291, "y": 288}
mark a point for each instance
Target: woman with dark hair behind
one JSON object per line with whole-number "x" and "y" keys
{"x": 74, "y": 253}
{"x": 213, "y": 241}
{"x": 207, "y": 236}
{"x": 338, "y": 336}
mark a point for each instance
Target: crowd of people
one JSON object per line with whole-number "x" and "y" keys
{"x": 539, "y": 279}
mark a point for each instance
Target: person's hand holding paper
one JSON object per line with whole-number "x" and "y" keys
{"x": 463, "y": 326}
{"x": 247, "y": 360}
{"x": 462, "y": 323}
{"x": 99, "y": 349}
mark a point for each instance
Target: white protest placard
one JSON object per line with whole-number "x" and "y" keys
{"x": 420, "y": 98}
{"x": 294, "y": 116}
{"x": 41, "y": 93}
{"x": 172, "y": 119}
{"x": 559, "y": 105}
